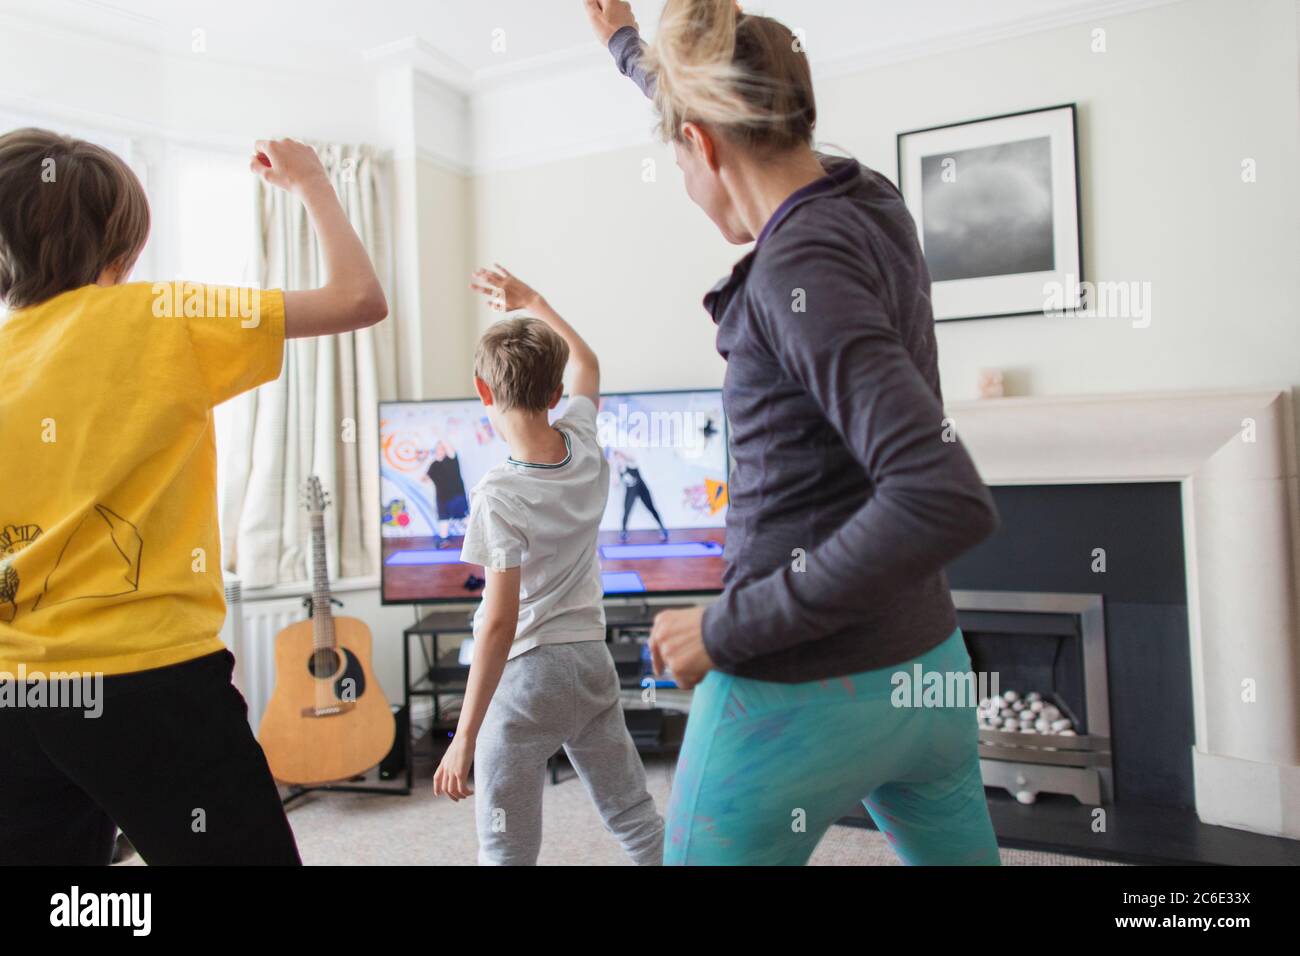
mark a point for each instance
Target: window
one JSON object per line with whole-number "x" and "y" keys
{"x": 201, "y": 199}
{"x": 203, "y": 202}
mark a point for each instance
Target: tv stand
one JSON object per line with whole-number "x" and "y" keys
{"x": 435, "y": 675}
{"x": 632, "y": 615}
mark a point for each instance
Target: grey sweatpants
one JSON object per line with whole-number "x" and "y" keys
{"x": 559, "y": 695}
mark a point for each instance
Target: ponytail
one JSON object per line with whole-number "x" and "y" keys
{"x": 746, "y": 76}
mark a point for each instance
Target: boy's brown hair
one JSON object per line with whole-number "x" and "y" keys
{"x": 522, "y": 361}
{"x": 69, "y": 210}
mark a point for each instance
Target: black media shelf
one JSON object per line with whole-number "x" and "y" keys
{"x": 654, "y": 730}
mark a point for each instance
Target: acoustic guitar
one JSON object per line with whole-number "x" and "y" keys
{"x": 328, "y": 718}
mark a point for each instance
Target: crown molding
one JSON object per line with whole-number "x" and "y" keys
{"x": 419, "y": 53}
{"x": 148, "y": 50}
{"x": 588, "y": 56}
{"x": 102, "y": 6}
{"x": 1083, "y": 11}
{"x": 431, "y": 60}
{"x": 446, "y": 162}
{"x": 425, "y": 58}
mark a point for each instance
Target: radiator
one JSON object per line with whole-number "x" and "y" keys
{"x": 251, "y": 627}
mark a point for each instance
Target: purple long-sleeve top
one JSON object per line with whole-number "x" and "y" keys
{"x": 849, "y": 491}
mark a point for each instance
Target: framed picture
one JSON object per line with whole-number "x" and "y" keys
{"x": 996, "y": 204}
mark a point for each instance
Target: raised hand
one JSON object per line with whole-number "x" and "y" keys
{"x": 608, "y": 17}
{"x": 505, "y": 292}
{"x": 352, "y": 296}
{"x": 288, "y": 164}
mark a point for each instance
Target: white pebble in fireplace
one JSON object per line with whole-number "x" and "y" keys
{"x": 1011, "y": 713}
{"x": 1030, "y": 714}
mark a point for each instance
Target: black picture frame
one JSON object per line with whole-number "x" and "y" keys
{"x": 942, "y": 293}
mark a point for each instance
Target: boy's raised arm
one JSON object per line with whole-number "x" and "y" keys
{"x": 507, "y": 293}
{"x": 352, "y": 297}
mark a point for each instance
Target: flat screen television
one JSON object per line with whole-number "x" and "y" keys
{"x": 663, "y": 528}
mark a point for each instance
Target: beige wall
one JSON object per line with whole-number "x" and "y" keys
{"x": 1183, "y": 95}
{"x": 446, "y": 231}
{"x": 625, "y": 259}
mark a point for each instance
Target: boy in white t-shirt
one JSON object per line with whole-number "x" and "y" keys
{"x": 542, "y": 677}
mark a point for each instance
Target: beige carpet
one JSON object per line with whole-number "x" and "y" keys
{"x": 354, "y": 829}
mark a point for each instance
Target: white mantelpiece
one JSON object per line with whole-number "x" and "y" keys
{"x": 1234, "y": 455}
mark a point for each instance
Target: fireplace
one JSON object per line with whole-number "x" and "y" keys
{"x": 1205, "y": 689}
{"x": 1133, "y": 609}
{"x": 1045, "y": 727}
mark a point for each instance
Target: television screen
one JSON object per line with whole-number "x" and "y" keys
{"x": 663, "y": 527}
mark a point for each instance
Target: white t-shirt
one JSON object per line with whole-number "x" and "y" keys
{"x": 544, "y": 519}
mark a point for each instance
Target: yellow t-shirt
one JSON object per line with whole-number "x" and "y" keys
{"x": 110, "y": 558}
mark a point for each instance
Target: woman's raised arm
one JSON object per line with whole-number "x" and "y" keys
{"x": 616, "y": 28}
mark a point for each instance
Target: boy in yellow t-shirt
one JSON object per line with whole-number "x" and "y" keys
{"x": 116, "y": 706}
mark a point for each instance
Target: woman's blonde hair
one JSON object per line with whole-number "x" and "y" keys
{"x": 746, "y": 76}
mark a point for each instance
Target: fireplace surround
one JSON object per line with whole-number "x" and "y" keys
{"x": 1232, "y": 454}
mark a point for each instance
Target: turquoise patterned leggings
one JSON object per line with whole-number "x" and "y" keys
{"x": 767, "y": 768}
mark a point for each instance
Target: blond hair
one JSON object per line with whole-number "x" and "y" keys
{"x": 522, "y": 361}
{"x": 69, "y": 211}
{"x": 747, "y": 76}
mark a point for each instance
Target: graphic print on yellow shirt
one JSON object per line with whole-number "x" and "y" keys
{"x": 110, "y": 557}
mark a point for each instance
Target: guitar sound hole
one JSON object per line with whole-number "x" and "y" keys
{"x": 324, "y": 663}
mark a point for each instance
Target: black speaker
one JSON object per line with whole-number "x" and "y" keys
{"x": 394, "y": 765}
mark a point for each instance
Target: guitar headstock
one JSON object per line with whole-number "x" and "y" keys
{"x": 314, "y": 497}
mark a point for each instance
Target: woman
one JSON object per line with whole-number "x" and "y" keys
{"x": 635, "y": 489}
{"x": 848, "y": 496}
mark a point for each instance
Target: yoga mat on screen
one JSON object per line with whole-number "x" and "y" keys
{"x": 641, "y": 552}
{"x": 422, "y": 556}
{"x": 622, "y": 582}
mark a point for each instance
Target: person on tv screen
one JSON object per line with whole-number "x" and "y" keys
{"x": 635, "y": 489}
{"x": 448, "y": 489}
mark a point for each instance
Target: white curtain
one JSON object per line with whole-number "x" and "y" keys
{"x": 319, "y": 417}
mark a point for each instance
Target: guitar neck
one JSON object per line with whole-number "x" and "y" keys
{"x": 322, "y": 615}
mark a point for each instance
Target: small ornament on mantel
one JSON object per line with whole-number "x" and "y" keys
{"x": 991, "y": 383}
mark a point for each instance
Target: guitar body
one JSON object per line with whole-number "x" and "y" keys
{"x": 328, "y": 718}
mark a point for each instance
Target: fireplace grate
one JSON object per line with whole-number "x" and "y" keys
{"x": 1027, "y": 764}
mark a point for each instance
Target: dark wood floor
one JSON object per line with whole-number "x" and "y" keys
{"x": 1133, "y": 834}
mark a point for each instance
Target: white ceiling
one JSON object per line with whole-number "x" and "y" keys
{"x": 339, "y": 34}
